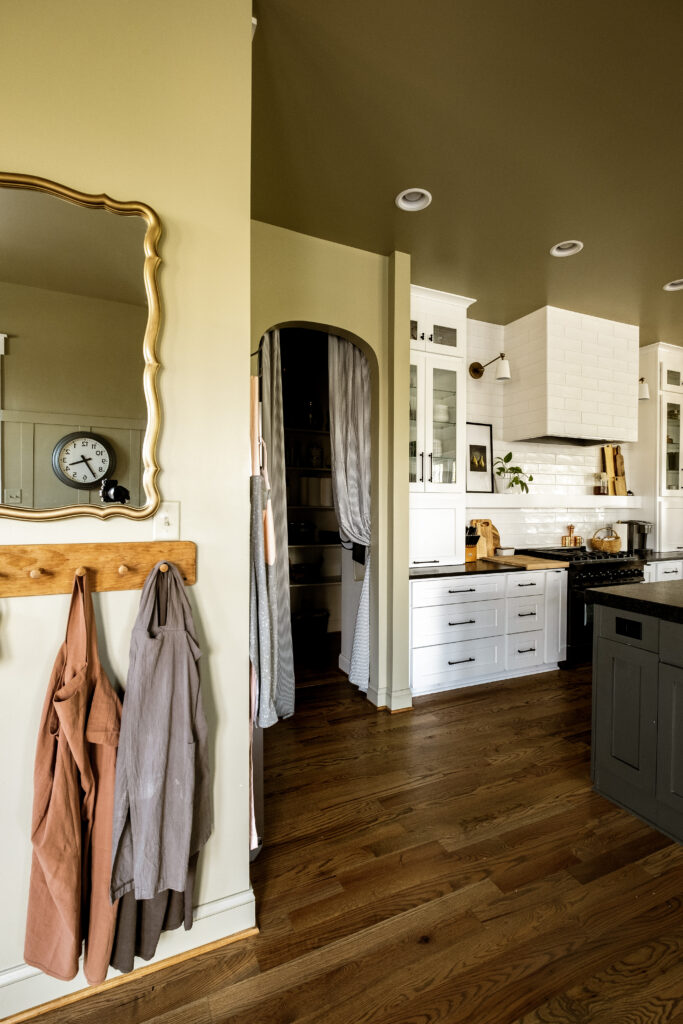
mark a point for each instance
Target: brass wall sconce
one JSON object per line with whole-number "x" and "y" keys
{"x": 502, "y": 371}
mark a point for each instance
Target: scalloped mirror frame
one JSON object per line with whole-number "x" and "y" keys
{"x": 149, "y": 345}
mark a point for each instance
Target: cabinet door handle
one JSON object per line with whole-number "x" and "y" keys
{"x": 431, "y": 337}
{"x": 422, "y": 470}
{"x": 526, "y": 584}
{"x": 525, "y": 650}
{"x": 425, "y": 561}
{"x": 463, "y": 661}
{"x": 669, "y": 572}
{"x": 422, "y": 336}
{"x": 524, "y": 615}
{"x": 431, "y": 467}
{"x": 465, "y": 622}
{"x": 464, "y": 590}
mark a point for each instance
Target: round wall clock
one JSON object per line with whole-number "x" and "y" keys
{"x": 83, "y": 459}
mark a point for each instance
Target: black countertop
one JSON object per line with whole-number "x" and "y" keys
{"x": 659, "y": 556}
{"x": 661, "y": 600}
{"x": 480, "y": 568}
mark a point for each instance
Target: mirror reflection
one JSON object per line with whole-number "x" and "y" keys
{"x": 73, "y": 319}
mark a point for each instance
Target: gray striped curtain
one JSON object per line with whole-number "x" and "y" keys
{"x": 349, "y": 383}
{"x": 272, "y": 428}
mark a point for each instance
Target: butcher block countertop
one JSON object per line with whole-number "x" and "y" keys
{"x": 525, "y": 562}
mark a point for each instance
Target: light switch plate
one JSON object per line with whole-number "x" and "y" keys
{"x": 167, "y": 521}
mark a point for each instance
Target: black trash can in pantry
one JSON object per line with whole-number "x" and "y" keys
{"x": 309, "y": 635}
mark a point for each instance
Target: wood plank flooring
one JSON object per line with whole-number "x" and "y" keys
{"x": 448, "y": 865}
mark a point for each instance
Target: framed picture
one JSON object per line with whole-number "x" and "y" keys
{"x": 479, "y": 457}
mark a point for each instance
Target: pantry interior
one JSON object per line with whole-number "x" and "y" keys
{"x": 323, "y": 593}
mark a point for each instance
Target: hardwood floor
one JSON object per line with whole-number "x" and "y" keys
{"x": 446, "y": 865}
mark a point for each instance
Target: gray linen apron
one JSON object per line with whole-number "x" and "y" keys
{"x": 162, "y": 804}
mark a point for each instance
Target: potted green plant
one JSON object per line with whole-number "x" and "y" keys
{"x": 515, "y": 475}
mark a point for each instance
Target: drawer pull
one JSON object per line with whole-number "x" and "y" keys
{"x": 462, "y": 661}
{"x": 526, "y": 584}
{"x": 525, "y": 650}
{"x": 465, "y": 622}
{"x": 669, "y": 572}
{"x": 426, "y": 561}
{"x": 463, "y": 590}
{"x": 524, "y": 615}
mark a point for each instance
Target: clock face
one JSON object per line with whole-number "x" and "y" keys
{"x": 83, "y": 460}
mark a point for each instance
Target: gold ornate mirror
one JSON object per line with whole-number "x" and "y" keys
{"x": 79, "y": 319}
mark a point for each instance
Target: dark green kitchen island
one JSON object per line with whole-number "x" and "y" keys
{"x": 637, "y": 744}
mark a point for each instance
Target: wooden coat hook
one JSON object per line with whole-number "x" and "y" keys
{"x": 30, "y": 569}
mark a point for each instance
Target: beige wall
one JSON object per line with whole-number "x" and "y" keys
{"x": 147, "y": 100}
{"x": 71, "y": 362}
{"x": 297, "y": 279}
{"x": 71, "y": 353}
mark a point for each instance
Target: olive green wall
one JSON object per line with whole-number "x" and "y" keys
{"x": 297, "y": 279}
{"x": 147, "y": 100}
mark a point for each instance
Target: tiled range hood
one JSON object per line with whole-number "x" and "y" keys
{"x": 574, "y": 379}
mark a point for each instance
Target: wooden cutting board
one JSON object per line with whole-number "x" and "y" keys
{"x": 490, "y": 538}
{"x": 525, "y": 562}
{"x": 620, "y": 477}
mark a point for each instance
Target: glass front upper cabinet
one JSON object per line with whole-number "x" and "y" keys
{"x": 413, "y": 455}
{"x": 671, "y": 445}
{"x": 443, "y": 456}
{"x": 436, "y": 404}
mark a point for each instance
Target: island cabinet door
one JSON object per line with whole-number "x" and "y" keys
{"x": 670, "y": 748}
{"x": 625, "y": 725}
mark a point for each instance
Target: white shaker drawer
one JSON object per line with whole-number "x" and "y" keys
{"x": 524, "y": 614}
{"x": 454, "y": 589}
{"x": 524, "y": 650}
{"x": 445, "y": 624}
{"x": 668, "y": 571}
{"x": 522, "y": 584}
{"x": 448, "y": 665}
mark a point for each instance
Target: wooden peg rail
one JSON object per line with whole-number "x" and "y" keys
{"x": 37, "y": 569}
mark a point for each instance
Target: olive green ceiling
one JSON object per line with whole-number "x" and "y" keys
{"x": 530, "y": 121}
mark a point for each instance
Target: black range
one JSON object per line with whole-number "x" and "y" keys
{"x": 588, "y": 569}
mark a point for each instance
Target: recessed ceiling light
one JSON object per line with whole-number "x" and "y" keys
{"x": 566, "y": 248}
{"x": 413, "y": 199}
{"x": 674, "y": 286}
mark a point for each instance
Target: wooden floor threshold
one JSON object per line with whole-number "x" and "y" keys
{"x": 83, "y": 994}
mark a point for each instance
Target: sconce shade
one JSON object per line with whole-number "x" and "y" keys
{"x": 503, "y": 370}
{"x": 643, "y": 390}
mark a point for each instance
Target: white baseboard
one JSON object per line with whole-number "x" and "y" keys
{"x": 344, "y": 664}
{"x": 23, "y": 987}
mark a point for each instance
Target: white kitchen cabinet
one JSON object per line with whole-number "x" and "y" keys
{"x": 649, "y": 572}
{"x": 671, "y": 476}
{"x": 438, "y": 321}
{"x": 457, "y": 589}
{"x": 555, "y": 634}
{"x": 436, "y": 536}
{"x": 451, "y": 623}
{"x": 524, "y": 651}
{"x": 437, "y": 423}
{"x": 665, "y": 571}
{"x": 671, "y": 371}
{"x": 524, "y": 614}
{"x": 476, "y": 629}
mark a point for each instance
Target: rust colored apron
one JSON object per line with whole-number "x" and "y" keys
{"x": 73, "y": 800}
